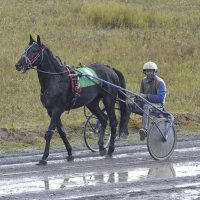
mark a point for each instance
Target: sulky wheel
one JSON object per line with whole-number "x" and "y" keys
{"x": 157, "y": 147}
{"x": 91, "y": 133}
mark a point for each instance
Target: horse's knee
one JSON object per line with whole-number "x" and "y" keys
{"x": 61, "y": 132}
{"x": 61, "y": 129}
{"x": 48, "y": 135}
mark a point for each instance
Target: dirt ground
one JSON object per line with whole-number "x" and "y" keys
{"x": 130, "y": 174}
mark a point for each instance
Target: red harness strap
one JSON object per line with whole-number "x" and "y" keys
{"x": 71, "y": 77}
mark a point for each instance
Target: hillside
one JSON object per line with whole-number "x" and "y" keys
{"x": 124, "y": 34}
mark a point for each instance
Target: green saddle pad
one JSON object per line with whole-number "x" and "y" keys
{"x": 86, "y": 81}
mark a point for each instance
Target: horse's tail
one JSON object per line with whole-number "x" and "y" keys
{"x": 123, "y": 124}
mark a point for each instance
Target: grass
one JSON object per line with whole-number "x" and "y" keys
{"x": 124, "y": 34}
{"x": 133, "y": 15}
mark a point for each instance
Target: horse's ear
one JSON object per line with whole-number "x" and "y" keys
{"x": 31, "y": 39}
{"x": 38, "y": 39}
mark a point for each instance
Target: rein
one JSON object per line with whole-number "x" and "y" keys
{"x": 51, "y": 73}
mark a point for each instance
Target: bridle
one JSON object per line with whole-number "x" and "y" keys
{"x": 30, "y": 61}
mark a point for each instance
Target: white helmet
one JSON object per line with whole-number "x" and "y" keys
{"x": 150, "y": 65}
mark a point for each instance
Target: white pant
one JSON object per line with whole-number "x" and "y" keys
{"x": 148, "y": 109}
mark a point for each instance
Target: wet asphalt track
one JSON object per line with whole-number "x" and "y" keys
{"x": 130, "y": 174}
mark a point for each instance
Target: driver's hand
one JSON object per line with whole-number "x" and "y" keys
{"x": 143, "y": 95}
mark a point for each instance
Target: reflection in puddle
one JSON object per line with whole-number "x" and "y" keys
{"x": 161, "y": 172}
{"x": 33, "y": 183}
{"x": 186, "y": 194}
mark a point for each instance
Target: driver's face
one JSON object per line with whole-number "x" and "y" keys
{"x": 149, "y": 73}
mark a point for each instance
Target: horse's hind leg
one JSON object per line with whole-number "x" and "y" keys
{"x": 110, "y": 109}
{"x": 96, "y": 110}
{"x": 62, "y": 134}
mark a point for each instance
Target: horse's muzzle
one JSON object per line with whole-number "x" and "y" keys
{"x": 21, "y": 68}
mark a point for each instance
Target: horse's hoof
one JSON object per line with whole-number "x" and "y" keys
{"x": 42, "y": 162}
{"x": 102, "y": 152}
{"x": 109, "y": 154}
{"x": 70, "y": 158}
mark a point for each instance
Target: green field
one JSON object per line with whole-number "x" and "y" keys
{"x": 124, "y": 34}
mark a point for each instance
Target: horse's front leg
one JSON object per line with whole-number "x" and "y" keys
{"x": 62, "y": 134}
{"x": 55, "y": 116}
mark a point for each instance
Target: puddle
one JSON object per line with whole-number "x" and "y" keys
{"x": 35, "y": 183}
{"x": 188, "y": 149}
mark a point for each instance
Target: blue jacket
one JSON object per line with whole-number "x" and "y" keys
{"x": 155, "y": 89}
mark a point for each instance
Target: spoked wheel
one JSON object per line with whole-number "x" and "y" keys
{"x": 159, "y": 149}
{"x": 91, "y": 133}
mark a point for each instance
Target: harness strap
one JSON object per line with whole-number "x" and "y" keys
{"x": 75, "y": 86}
{"x": 71, "y": 77}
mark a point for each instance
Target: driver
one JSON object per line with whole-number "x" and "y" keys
{"x": 153, "y": 89}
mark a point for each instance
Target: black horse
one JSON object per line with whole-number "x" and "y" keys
{"x": 57, "y": 95}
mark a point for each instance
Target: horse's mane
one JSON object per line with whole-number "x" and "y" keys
{"x": 57, "y": 64}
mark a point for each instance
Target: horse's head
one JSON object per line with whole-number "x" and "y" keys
{"x": 32, "y": 56}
